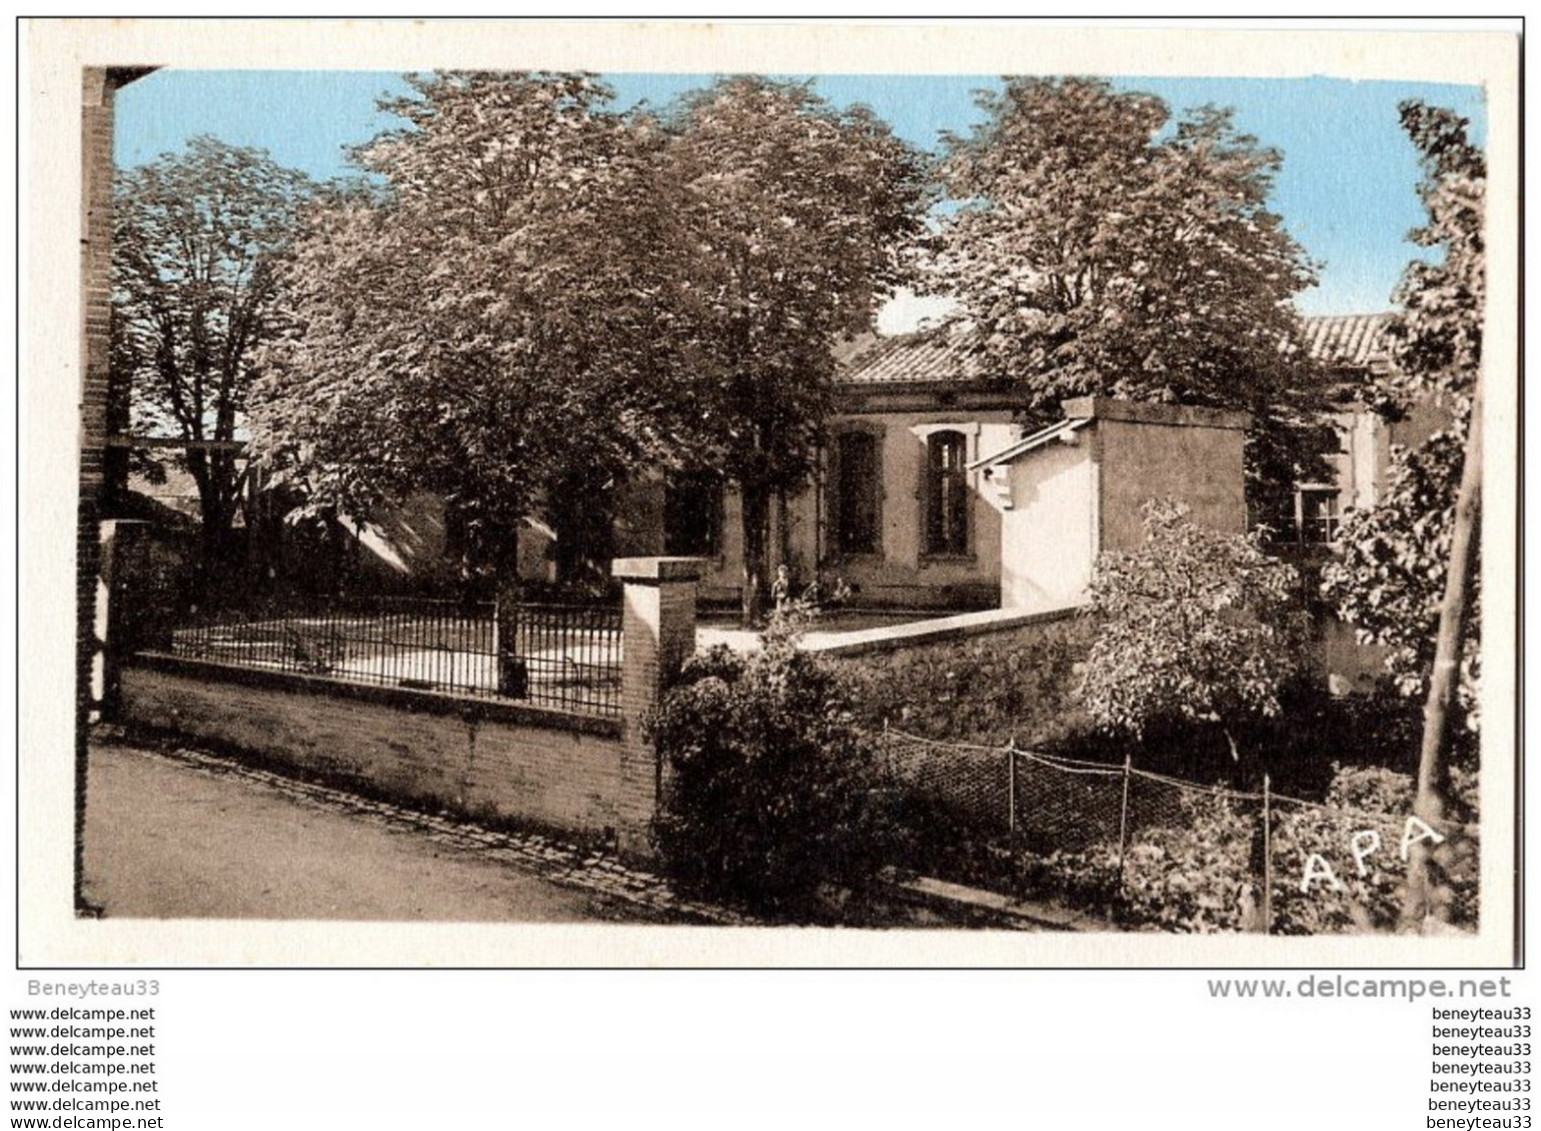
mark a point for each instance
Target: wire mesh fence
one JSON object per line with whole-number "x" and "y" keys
{"x": 1063, "y": 804}
{"x": 1181, "y": 854}
{"x": 969, "y": 780}
{"x": 564, "y": 656}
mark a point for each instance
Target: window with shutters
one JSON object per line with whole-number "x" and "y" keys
{"x": 947, "y": 495}
{"x": 857, "y": 494}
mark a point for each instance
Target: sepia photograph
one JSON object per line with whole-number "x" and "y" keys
{"x": 626, "y": 494}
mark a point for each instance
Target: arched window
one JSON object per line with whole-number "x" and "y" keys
{"x": 947, "y": 501}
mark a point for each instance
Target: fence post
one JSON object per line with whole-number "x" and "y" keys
{"x": 1267, "y": 857}
{"x": 658, "y": 633}
{"x": 1011, "y": 785}
{"x": 1123, "y": 820}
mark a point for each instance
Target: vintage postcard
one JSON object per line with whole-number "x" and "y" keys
{"x": 590, "y": 493}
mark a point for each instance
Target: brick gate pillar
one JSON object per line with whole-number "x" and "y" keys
{"x": 658, "y": 632}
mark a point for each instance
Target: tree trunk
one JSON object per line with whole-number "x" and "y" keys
{"x": 513, "y": 672}
{"x": 784, "y": 535}
{"x": 222, "y": 568}
{"x": 585, "y": 534}
{"x": 221, "y": 571}
{"x": 756, "y": 516}
{"x": 1428, "y": 892}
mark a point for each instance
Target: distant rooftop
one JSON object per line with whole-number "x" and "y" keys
{"x": 949, "y": 353}
{"x": 941, "y": 354}
{"x": 1347, "y": 339}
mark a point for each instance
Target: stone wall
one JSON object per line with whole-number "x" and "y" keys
{"x": 983, "y": 677}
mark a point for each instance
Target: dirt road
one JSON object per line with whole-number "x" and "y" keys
{"x": 166, "y": 838}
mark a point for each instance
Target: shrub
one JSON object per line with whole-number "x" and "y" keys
{"x": 1200, "y": 874}
{"x": 768, "y": 786}
{"x": 1194, "y": 863}
{"x": 1194, "y": 625}
{"x": 1196, "y": 877}
{"x": 1361, "y": 799}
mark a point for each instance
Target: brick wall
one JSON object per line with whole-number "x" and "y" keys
{"x": 96, "y": 271}
{"x": 478, "y": 759}
{"x": 95, "y": 280}
{"x": 658, "y": 625}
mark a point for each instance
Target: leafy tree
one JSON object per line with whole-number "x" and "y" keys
{"x": 1389, "y": 581}
{"x": 499, "y": 314}
{"x": 1194, "y": 625}
{"x": 1102, "y": 249}
{"x": 1409, "y": 576}
{"x": 797, "y": 215}
{"x": 196, "y": 236}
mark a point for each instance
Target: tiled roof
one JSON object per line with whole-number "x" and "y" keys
{"x": 1347, "y": 339}
{"x": 929, "y": 355}
{"x": 948, "y": 354}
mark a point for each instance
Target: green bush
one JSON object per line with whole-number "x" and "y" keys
{"x": 1362, "y": 799}
{"x": 1195, "y": 877}
{"x": 769, "y": 787}
{"x": 1193, "y": 626}
{"x": 1202, "y": 871}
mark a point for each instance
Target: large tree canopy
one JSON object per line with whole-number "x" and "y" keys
{"x": 195, "y": 239}
{"x": 1390, "y": 579}
{"x": 798, "y": 216}
{"x": 1100, "y": 248}
{"x": 497, "y": 320}
{"x": 498, "y": 314}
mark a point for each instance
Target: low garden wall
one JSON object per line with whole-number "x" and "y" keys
{"x": 480, "y": 759}
{"x": 986, "y": 677}
{"x": 589, "y": 772}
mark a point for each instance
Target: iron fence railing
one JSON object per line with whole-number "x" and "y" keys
{"x": 563, "y": 656}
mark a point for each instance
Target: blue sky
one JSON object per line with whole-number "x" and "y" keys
{"x": 1346, "y": 191}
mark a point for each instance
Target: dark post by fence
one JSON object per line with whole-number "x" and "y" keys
{"x": 1267, "y": 857}
{"x": 513, "y": 672}
{"x": 1123, "y": 820}
{"x": 1011, "y": 786}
